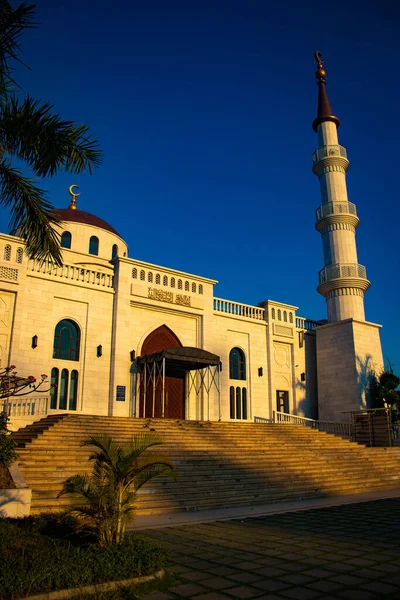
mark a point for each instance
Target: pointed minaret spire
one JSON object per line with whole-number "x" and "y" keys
{"x": 325, "y": 112}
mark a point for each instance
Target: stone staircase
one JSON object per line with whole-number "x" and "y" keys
{"x": 219, "y": 464}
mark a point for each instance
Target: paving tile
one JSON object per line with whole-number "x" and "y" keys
{"x": 201, "y": 565}
{"x": 339, "y": 567}
{"x": 270, "y": 572}
{"x": 346, "y": 579}
{"x": 317, "y": 573}
{"x": 325, "y": 586}
{"x": 212, "y": 596}
{"x": 243, "y": 591}
{"x": 271, "y": 585}
{"x": 245, "y": 577}
{"x": 216, "y": 583}
{"x": 158, "y": 596}
{"x": 194, "y": 575}
{"x": 296, "y": 579}
{"x": 187, "y": 590}
{"x": 222, "y": 571}
{"x": 358, "y": 595}
{"x": 178, "y": 568}
{"x": 379, "y": 587}
{"x": 300, "y": 593}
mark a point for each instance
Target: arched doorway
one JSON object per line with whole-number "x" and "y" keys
{"x": 158, "y": 340}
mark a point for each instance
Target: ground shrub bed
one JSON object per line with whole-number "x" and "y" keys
{"x": 45, "y": 554}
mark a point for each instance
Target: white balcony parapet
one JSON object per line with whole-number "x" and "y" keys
{"x": 28, "y": 406}
{"x": 239, "y": 310}
{"x": 338, "y": 428}
{"x": 308, "y": 324}
{"x": 328, "y": 151}
{"x": 334, "y": 208}
{"x": 339, "y": 270}
{"x": 72, "y": 273}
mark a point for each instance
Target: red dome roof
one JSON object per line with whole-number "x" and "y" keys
{"x": 80, "y": 216}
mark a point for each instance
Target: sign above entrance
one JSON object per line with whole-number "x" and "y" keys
{"x": 166, "y": 296}
{"x": 121, "y": 393}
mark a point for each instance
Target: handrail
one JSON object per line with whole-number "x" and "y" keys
{"x": 28, "y": 406}
{"x": 334, "y": 427}
{"x": 238, "y": 309}
{"x": 72, "y": 272}
{"x": 342, "y": 270}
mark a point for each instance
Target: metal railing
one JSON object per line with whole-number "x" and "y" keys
{"x": 72, "y": 272}
{"x": 25, "y": 407}
{"x": 238, "y": 310}
{"x": 342, "y": 270}
{"x": 327, "y": 151}
{"x": 335, "y": 427}
{"x": 335, "y": 208}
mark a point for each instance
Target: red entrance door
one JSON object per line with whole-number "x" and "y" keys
{"x": 158, "y": 340}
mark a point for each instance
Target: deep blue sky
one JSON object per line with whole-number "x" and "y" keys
{"x": 204, "y": 110}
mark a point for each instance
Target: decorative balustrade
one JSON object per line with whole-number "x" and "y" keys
{"x": 342, "y": 270}
{"x": 344, "y": 430}
{"x": 28, "y": 406}
{"x": 327, "y": 151}
{"x": 262, "y": 420}
{"x": 334, "y": 208}
{"x": 72, "y": 273}
{"x": 302, "y": 323}
{"x": 238, "y": 310}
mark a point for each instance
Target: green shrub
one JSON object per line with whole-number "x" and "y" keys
{"x": 7, "y": 446}
{"x": 37, "y": 555}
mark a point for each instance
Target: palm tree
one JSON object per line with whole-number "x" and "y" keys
{"x": 33, "y": 134}
{"x": 119, "y": 471}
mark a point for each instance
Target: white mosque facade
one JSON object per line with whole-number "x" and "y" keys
{"x": 122, "y": 337}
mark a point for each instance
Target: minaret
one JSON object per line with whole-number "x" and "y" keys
{"x": 348, "y": 348}
{"x": 342, "y": 280}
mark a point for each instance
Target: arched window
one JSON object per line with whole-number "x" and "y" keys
{"x": 200, "y": 288}
{"x": 54, "y": 388}
{"x": 172, "y": 282}
{"x": 150, "y": 277}
{"x": 186, "y": 286}
{"x": 165, "y": 280}
{"x": 285, "y": 316}
{"x": 7, "y": 252}
{"x": 114, "y": 252}
{"x": 237, "y": 364}
{"x": 19, "y": 255}
{"x": 134, "y": 273}
{"x": 158, "y": 278}
{"x": 66, "y": 340}
{"x": 179, "y": 284}
{"x": 273, "y": 313}
{"x": 194, "y": 288}
{"x": 73, "y": 390}
{"x": 94, "y": 245}
{"x": 142, "y": 276}
{"x": 290, "y": 317}
{"x": 63, "y": 390}
{"x": 66, "y": 238}
{"x": 279, "y": 314}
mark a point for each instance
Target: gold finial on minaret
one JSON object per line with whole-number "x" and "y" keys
{"x": 320, "y": 72}
{"x": 74, "y": 195}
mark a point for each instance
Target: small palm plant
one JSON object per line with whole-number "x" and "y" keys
{"x": 119, "y": 471}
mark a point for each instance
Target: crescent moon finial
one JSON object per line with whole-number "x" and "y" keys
{"x": 74, "y": 195}
{"x": 320, "y": 72}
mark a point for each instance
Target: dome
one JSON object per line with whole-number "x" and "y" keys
{"x": 80, "y": 216}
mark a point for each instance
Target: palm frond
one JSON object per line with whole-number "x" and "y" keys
{"x": 13, "y": 22}
{"x": 35, "y": 134}
{"x": 30, "y": 214}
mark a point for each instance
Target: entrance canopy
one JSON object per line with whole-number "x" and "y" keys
{"x": 158, "y": 376}
{"x": 184, "y": 358}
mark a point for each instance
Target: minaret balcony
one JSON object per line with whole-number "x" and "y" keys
{"x": 336, "y": 212}
{"x": 332, "y": 154}
{"x": 341, "y": 275}
{"x": 342, "y": 270}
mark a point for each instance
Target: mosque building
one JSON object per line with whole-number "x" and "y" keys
{"x": 123, "y": 337}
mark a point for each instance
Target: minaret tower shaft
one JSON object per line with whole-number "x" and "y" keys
{"x": 342, "y": 281}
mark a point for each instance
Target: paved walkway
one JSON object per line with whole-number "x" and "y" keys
{"x": 349, "y": 552}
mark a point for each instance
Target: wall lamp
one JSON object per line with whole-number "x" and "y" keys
{"x": 260, "y": 371}
{"x": 302, "y": 376}
{"x": 34, "y": 341}
{"x": 99, "y": 351}
{"x": 132, "y": 355}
